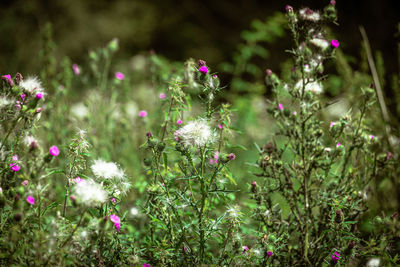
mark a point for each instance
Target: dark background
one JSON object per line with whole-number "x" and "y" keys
{"x": 176, "y": 29}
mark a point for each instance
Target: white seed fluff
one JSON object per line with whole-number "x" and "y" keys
{"x": 374, "y": 262}
{"x": 32, "y": 85}
{"x": 320, "y": 43}
{"x": 195, "y": 133}
{"x": 90, "y": 193}
{"x": 313, "y": 86}
{"x": 107, "y": 170}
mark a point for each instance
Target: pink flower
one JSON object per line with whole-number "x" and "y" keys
{"x": 54, "y": 151}
{"x": 289, "y": 8}
{"x": 39, "y": 95}
{"x": 215, "y": 160}
{"x": 162, "y": 96}
{"x": 220, "y": 126}
{"x": 113, "y": 200}
{"x": 335, "y": 43}
{"x": 79, "y": 180}
{"x": 115, "y": 219}
{"x": 335, "y": 257}
{"x": 280, "y": 106}
{"x": 295, "y": 113}
{"x": 119, "y": 75}
{"x": 143, "y": 113}
{"x": 15, "y": 158}
{"x": 25, "y": 182}
{"x": 371, "y": 137}
{"x": 146, "y": 265}
{"x": 269, "y": 253}
{"x": 269, "y": 72}
{"x": 76, "y": 69}
{"x": 30, "y": 200}
{"x": 179, "y": 122}
{"x": 332, "y": 124}
{"x": 338, "y": 144}
{"x": 7, "y": 78}
{"x": 245, "y": 248}
{"x": 231, "y": 156}
{"x": 14, "y": 167}
{"x": 117, "y": 226}
{"x": 215, "y": 76}
{"x": 23, "y": 96}
{"x": 203, "y": 69}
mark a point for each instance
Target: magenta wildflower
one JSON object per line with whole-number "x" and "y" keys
{"x": 335, "y": 43}
{"x": 245, "y": 248}
{"x": 146, "y": 265}
{"x": 371, "y": 137}
{"x": 332, "y": 124}
{"x": 295, "y": 113}
{"x": 14, "y": 167}
{"x": 149, "y": 134}
{"x": 79, "y": 180}
{"x": 215, "y": 76}
{"x": 162, "y": 96}
{"x": 143, "y": 113}
{"x": 30, "y": 200}
{"x": 38, "y": 110}
{"x": 201, "y": 63}
{"x": 335, "y": 257}
{"x": 338, "y": 144}
{"x": 179, "y": 122}
{"x": 23, "y": 97}
{"x": 15, "y": 157}
{"x": 220, "y": 126}
{"x": 117, "y": 226}
{"x": 115, "y": 219}
{"x": 333, "y": 2}
{"x": 119, "y": 75}
{"x": 54, "y": 151}
{"x": 76, "y": 69}
{"x": 269, "y": 72}
{"x": 288, "y": 8}
{"x": 203, "y": 69}
{"x": 39, "y": 95}
{"x": 231, "y": 156}
{"x": 113, "y": 200}
{"x": 280, "y": 106}
{"x": 269, "y": 253}
{"x": 7, "y": 78}
{"x": 25, "y": 182}
{"x": 215, "y": 159}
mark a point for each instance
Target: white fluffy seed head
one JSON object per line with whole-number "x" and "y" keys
{"x": 374, "y": 262}
{"x": 106, "y": 170}
{"x": 4, "y": 101}
{"x": 313, "y": 86}
{"x": 195, "y": 133}
{"x": 79, "y": 110}
{"x": 320, "y": 43}
{"x": 310, "y": 15}
{"x": 32, "y": 85}
{"x": 90, "y": 193}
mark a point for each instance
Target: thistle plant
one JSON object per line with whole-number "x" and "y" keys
{"x": 311, "y": 171}
{"x": 187, "y": 164}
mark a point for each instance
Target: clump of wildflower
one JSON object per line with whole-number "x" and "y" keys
{"x": 312, "y": 86}
{"x": 269, "y": 253}
{"x": 79, "y": 180}
{"x": 119, "y": 76}
{"x": 76, "y": 69}
{"x": 54, "y": 151}
{"x": 25, "y": 182}
{"x": 280, "y": 106}
{"x": 30, "y": 200}
{"x": 162, "y": 96}
{"x": 143, "y": 113}
{"x": 215, "y": 159}
{"x": 32, "y": 85}
{"x": 195, "y": 133}
{"x": 39, "y": 95}
{"x": 90, "y": 193}
{"x": 107, "y": 170}
{"x": 245, "y": 248}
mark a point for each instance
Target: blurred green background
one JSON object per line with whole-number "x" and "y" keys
{"x": 206, "y": 29}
